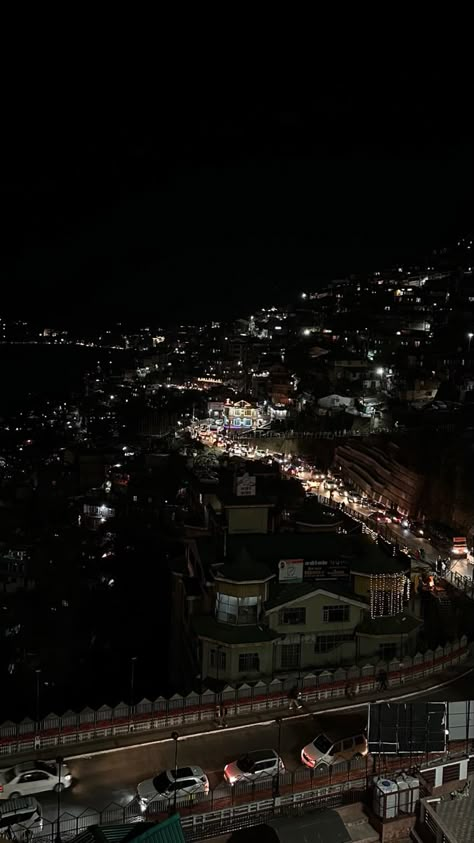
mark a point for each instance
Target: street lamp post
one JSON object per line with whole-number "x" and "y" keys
{"x": 469, "y": 340}
{"x": 401, "y": 650}
{"x": 37, "y": 707}
{"x": 300, "y": 665}
{"x": 278, "y": 721}
{"x": 218, "y": 692}
{"x": 132, "y": 684}
{"x": 175, "y": 737}
{"x": 59, "y": 787}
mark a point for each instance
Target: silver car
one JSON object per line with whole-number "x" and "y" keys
{"x": 33, "y": 777}
{"x": 186, "y": 781}
{"x": 253, "y": 766}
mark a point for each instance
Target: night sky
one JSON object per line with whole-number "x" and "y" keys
{"x": 197, "y": 204}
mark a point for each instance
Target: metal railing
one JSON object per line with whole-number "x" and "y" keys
{"x": 107, "y": 722}
{"x": 227, "y": 808}
{"x": 461, "y": 582}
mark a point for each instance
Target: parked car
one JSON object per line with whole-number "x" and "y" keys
{"x": 325, "y": 751}
{"x": 353, "y": 497}
{"x": 186, "y": 781}
{"x": 20, "y": 819}
{"x": 33, "y": 777}
{"x": 253, "y": 766}
{"x": 377, "y": 516}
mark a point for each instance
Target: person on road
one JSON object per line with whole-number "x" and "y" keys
{"x": 294, "y": 697}
{"x": 382, "y": 680}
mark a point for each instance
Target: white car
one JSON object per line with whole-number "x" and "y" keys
{"x": 253, "y": 766}
{"x": 186, "y": 781}
{"x": 33, "y": 777}
{"x": 325, "y": 751}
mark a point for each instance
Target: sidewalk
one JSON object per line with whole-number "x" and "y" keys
{"x": 103, "y": 745}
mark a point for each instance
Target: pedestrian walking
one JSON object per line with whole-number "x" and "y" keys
{"x": 294, "y": 697}
{"x": 383, "y": 680}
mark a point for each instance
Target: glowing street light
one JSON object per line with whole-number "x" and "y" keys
{"x": 469, "y": 337}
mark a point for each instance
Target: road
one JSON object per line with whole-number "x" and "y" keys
{"x": 404, "y": 537}
{"x": 112, "y": 777}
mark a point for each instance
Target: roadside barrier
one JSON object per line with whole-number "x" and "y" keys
{"x": 109, "y": 722}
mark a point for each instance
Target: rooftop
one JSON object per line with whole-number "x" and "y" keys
{"x": 362, "y": 553}
{"x": 283, "y": 594}
{"x": 168, "y": 831}
{"x": 457, "y": 815}
{"x": 244, "y": 569}
{"x": 312, "y": 512}
{"x": 392, "y": 625}
{"x": 207, "y": 627}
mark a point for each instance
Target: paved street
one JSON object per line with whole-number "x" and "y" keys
{"x": 404, "y": 537}
{"x": 112, "y": 777}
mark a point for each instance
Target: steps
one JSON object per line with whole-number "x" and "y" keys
{"x": 357, "y": 823}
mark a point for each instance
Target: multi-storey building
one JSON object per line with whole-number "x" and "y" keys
{"x": 257, "y": 606}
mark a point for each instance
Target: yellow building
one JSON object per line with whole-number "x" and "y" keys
{"x": 253, "y": 621}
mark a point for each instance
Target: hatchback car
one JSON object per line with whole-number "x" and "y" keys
{"x": 186, "y": 781}
{"x": 325, "y": 751}
{"x": 253, "y": 766}
{"x": 33, "y": 777}
{"x": 20, "y": 819}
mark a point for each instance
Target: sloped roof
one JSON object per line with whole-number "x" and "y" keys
{"x": 389, "y": 625}
{"x": 362, "y": 553}
{"x": 207, "y": 627}
{"x": 314, "y": 827}
{"x": 318, "y": 827}
{"x": 168, "y": 831}
{"x": 244, "y": 569}
{"x": 289, "y": 593}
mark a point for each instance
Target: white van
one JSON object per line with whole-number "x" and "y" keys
{"x": 20, "y": 819}
{"x": 325, "y": 751}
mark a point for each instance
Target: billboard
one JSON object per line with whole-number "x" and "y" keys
{"x": 407, "y": 728}
{"x": 290, "y": 570}
{"x": 326, "y": 569}
{"x": 461, "y": 720}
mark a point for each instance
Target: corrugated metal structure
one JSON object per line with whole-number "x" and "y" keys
{"x": 168, "y": 831}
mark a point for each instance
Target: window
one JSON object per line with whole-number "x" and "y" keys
{"x": 249, "y": 662}
{"x": 292, "y": 616}
{"x": 336, "y": 614}
{"x": 348, "y": 743}
{"x": 217, "y": 658}
{"x": 33, "y": 777}
{"x": 238, "y": 610}
{"x": 325, "y": 643}
{"x": 290, "y": 656}
{"x": 388, "y": 652}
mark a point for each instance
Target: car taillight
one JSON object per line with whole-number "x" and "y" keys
{"x": 1, "y": 788}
